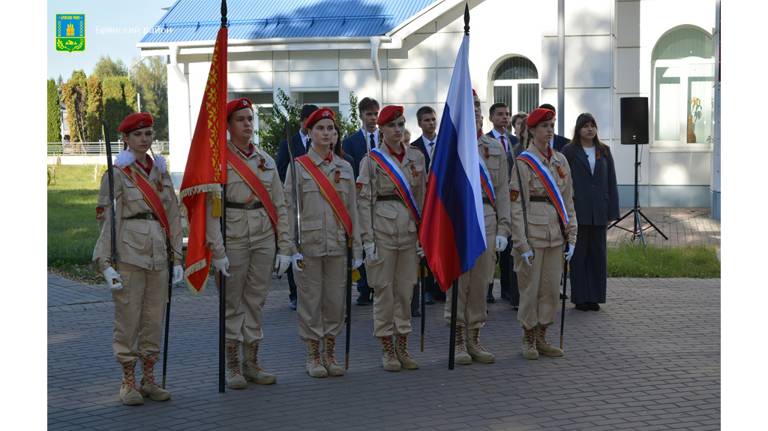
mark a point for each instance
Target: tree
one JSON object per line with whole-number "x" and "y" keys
{"x": 54, "y": 112}
{"x": 119, "y": 100}
{"x": 74, "y": 93}
{"x": 150, "y": 80}
{"x": 352, "y": 124}
{"x": 93, "y": 108}
{"x": 106, "y": 67}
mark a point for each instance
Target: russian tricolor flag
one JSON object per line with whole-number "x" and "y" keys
{"x": 453, "y": 230}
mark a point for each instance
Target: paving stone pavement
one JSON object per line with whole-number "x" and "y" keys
{"x": 682, "y": 226}
{"x": 649, "y": 360}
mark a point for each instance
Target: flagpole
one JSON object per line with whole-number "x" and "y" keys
{"x": 455, "y": 288}
{"x": 222, "y": 279}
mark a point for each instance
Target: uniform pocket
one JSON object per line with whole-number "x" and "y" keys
{"x": 538, "y": 226}
{"x": 387, "y": 220}
{"x": 136, "y": 233}
{"x": 311, "y": 231}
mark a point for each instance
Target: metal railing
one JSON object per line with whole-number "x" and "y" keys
{"x": 95, "y": 148}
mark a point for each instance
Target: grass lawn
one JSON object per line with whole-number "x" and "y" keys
{"x": 630, "y": 260}
{"x": 72, "y": 226}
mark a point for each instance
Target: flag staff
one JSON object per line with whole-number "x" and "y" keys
{"x": 222, "y": 278}
{"x": 455, "y": 288}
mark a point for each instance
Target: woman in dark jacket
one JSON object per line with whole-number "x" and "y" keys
{"x": 596, "y": 199}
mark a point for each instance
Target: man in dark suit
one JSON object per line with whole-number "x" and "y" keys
{"x": 299, "y": 144}
{"x": 358, "y": 143}
{"x": 426, "y": 117}
{"x": 557, "y": 142}
{"x": 357, "y": 146}
{"x": 500, "y": 117}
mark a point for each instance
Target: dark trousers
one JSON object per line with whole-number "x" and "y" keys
{"x": 508, "y": 279}
{"x": 362, "y": 283}
{"x": 291, "y": 284}
{"x": 588, "y": 267}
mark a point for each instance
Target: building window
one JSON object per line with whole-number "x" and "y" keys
{"x": 516, "y": 83}
{"x": 683, "y": 88}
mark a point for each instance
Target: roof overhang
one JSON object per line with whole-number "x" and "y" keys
{"x": 391, "y": 40}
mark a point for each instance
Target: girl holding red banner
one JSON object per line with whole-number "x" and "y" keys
{"x": 148, "y": 236}
{"x": 543, "y": 219}
{"x": 328, "y": 225}
{"x": 257, "y": 227}
{"x": 391, "y": 188}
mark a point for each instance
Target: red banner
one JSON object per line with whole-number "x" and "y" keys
{"x": 206, "y": 168}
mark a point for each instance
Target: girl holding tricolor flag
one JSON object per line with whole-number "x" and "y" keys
{"x": 391, "y": 189}
{"x": 327, "y": 200}
{"x": 543, "y": 219}
{"x": 148, "y": 237}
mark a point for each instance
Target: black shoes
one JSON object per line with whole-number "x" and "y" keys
{"x": 428, "y": 299}
{"x": 588, "y": 306}
{"x": 292, "y": 304}
{"x": 363, "y": 300}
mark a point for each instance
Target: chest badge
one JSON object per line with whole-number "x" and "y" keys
{"x": 262, "y": 165}
{"x": 560, "y": 171}
{"x": 337, "y": 176}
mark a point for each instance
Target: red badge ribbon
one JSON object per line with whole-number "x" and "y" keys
{"x": 328, "y": 191}
{"x": 255, "y": 184}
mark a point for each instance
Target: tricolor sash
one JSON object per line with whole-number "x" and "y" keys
{"x": 549, "y": 184}
{"x": 329, "y": 192}
{"x": 255, "y": 184}
{"x": 150, "y": 197}
{"x": 487, "y": 184}
{"x": 398, "y": 179}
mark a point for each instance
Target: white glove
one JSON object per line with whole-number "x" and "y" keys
{"x": 114, "y": 281}
{"x": 501, "y": 243}
{"x": 221, "y": 265}
{"x": 282, "y": 263}
{"x": 419, "y": 251}
{"x": 569, "y": 252}
{"x": 370, "y": 251}
{"x": 297, "y": 261}
{"x": 528, "y": 257}
{"x": 357, "y": 263}
{"x": 178, "y": 274}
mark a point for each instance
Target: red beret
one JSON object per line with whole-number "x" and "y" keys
{"x": 234, "y": 105}
{"x": 538, "y": 115}
{"x": 320, "y": 114}
{"x": 137, "y": 120}
{"x": 389, "y": 113}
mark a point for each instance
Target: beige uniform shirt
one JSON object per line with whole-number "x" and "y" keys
{"x": 392, "y": 225}
{"x": 495, "y": 159}
{"x": 248, "y": 227}
{"x": 543, "y": 225}
{"x": 139, "y": 242}
{"x": 321, "y": 233}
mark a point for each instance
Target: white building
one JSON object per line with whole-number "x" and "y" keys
{"x": 402, "y": 52}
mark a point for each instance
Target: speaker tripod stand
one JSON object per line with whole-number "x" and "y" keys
{"x": 637, "y": 228}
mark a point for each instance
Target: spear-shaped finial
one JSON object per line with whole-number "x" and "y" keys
{"x": 223, "y": 13}
{"x": 466, "y": 18}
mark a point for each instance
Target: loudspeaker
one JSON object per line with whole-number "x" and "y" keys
{"x": 634, "y": 120}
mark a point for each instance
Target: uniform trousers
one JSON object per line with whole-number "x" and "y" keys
{"x": 392, "y": 277}
{"x": 471, "y": 309}
{"x": 322, "y": 296}
{"x": 539, "y": 286}
{"x": 246, "y": 290}
{"x": 139, "y": 310}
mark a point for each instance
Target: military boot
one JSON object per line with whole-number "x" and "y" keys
{"x": 251, "y": 369}
{"x": 461, "y": 356}
{"x": 149, "y": 388}
{"x": 476, "y": 350}
{"x": 235, "y": 379}
{"x": 543, "y": 346}
{"x": 389, "y": 358}
{"x": 529, "y": 344}
{"x": 329, "y": 358}
{"x": 314, "y": 367}
{"x": 128, "y": 393}
{"x": 401, "y": 350}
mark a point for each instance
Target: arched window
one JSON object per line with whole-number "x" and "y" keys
{"x": 516, "y": 83}
{"x": 683, "y": 88}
